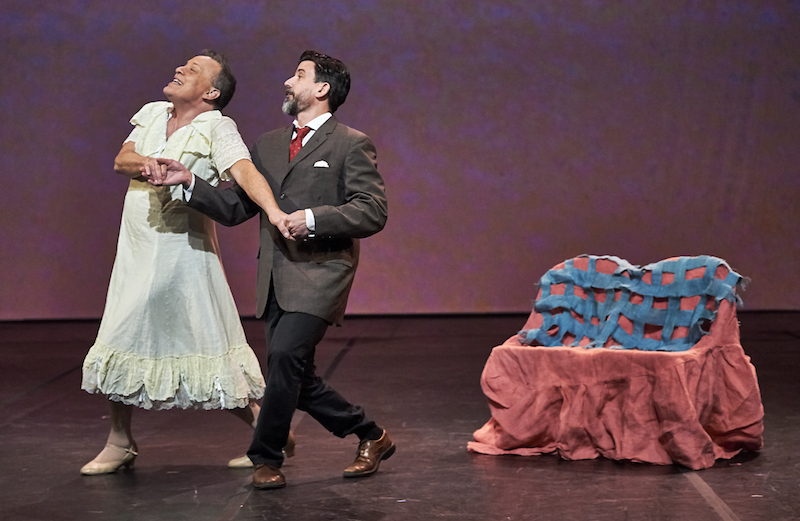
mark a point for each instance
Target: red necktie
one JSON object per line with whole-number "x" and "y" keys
{"x": 297, "y": 142}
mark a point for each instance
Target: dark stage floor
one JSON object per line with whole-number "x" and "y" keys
{"x": 419, "y": 377}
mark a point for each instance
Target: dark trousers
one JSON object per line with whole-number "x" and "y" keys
{"x": 292, "y": 383}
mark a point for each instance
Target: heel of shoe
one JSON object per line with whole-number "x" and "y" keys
{"x": 389, "y": 452}
{"x": 126, "y": 459}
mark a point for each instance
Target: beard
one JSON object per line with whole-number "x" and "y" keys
{"x": 290, "y": 107}
{"x": 296, "y": 102}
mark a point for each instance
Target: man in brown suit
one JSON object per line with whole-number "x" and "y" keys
{"x": 334, "y": 196}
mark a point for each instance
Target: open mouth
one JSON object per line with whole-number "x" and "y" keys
{"x": 177, "y": 81}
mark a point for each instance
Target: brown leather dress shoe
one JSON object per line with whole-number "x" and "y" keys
{"x": 265, "y": 477}
{"x": 370, "y": 454}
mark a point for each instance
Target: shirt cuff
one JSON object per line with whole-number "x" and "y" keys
{"x": 187, "y": 192}
{"x": 311, "y": 224}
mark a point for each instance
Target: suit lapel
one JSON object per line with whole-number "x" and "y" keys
{"x": 277, "y": 155}
{"x": 319, "y": 137}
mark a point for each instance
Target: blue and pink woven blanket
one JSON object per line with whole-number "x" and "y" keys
{"x": 665, "y": 306}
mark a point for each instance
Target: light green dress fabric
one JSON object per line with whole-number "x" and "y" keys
{"x": 170, "y": 334}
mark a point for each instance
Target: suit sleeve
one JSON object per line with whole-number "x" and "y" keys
{"x": 365, "y": 209}
{"x": 227, "y": 206}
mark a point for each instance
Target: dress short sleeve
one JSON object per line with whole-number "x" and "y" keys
{"x": 149, "y": 126}
{"x": 133, "y": 136}
{"x": 227, "y": 147}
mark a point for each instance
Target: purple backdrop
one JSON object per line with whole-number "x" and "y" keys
{"x": 511, "y": 134}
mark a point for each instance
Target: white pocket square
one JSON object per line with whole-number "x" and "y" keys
{"x": 321, "y": 164}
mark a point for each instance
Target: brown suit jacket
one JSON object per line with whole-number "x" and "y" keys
{"x": 348, "y": 200}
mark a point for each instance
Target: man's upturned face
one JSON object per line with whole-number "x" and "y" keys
{"x": 193, "y": 80}
{"x": 300, "y": 89}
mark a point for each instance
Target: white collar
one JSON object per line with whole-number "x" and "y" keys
{"x": 317, "y": 122}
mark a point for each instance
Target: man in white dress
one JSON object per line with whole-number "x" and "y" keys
{"x": 170, "y": 334}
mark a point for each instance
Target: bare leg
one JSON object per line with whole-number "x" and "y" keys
{"x": 248, "y": 414}
{"x": 120, "y": 448}
{"x": 120, "y": 415}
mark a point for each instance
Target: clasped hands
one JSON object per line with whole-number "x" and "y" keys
{"x": 168, "y": 172}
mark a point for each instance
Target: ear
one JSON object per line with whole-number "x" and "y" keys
{"x": 211, "y": 94}
{"x": 323, "y": 90}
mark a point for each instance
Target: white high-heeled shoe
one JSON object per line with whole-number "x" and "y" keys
{"x": 126, "y": 457}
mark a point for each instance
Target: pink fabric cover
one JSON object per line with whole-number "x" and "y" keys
{"x": 689, "y": 407}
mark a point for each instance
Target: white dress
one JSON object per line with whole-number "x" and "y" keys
{"x": 170, "y": 334}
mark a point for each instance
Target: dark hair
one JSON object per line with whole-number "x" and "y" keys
{"x": 225, "y": 82}
{"x": 333, "y": 72}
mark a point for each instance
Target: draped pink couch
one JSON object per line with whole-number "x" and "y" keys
{"x": 690, "y": 407}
